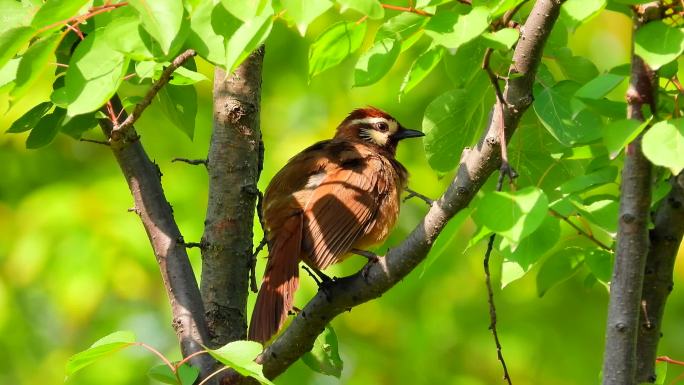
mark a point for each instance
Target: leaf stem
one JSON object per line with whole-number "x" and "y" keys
{"x": 580, "y": 230}
{"x": 410, "y": 9}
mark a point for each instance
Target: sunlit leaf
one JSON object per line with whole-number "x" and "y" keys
{"x": 583, "y": 182}
{"x": 599, "y": 86}
{"x": 54, "y": 11}
{"x": 248, "y": 37}
{"x": 658, "y": 43}
{"x": 452, "y": 30}
{"x": 600, "y": 262}
{"x": 576, "y": 12}
{"x": 502, "y": 39}
{"x": 304, "y": 12}
{"x": 102, "y": 347}
{"x": 123, "y": 35}
{"x": 513, "y": 215}
{"x": 33, "y": 63}
{"x": 240, "y": 356}
{"x": 324, "y": 356}
{"x": 603, "y": 213}
{"x": 663, "y": 144}
{"x": 208, "y": 44}
{"x": 95, "y": 72}
{"x": 618, "y": 133}
{"x": 559, "y": 267}
{"x": 162, "y": 19}
{"x": 376, "y": 62}
{"x": 244, "y": 10}
{"x": 371, "y": 8}
{"x": 12, "y": 41}
{"x": 406, "y": 27}
{"x": 334, "y": 45}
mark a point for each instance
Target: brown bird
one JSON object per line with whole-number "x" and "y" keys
{"x": 335, "y": 196}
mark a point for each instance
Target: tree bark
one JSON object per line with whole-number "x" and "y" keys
{"x": 619, "y": 360}
{"x": 233, "y": 165}
{"x": 476, "y": 166}
{"x": 665, "y": 238}
{"x": 144, "y": 181}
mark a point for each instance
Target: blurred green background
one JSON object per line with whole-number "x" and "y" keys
{"x": 75, "y": 265}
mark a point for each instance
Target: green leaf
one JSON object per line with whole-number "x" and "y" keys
{"x": 334, "y": 45}
{"x": 577, "y": 68}
{"x": 247, "y": 38}
{"x": 46, "y": 129}
{"x": 324, "y": 356}
{"x": 208, "y": 44}
{"x": 30, "y": 118}
{"x": 531, "y": 248}
{"x": 658, "y": 44}
{"x": 600, "y": 262}
{"x": 553, "y": 107}
{"x": 102, "y": 347}
{"x": 559, "y": 267}
{"x": 162, "y": 19}
{"x": 33, "y": 63}
{"x": 12, "y": 41}
{"x": 14, "y": 14}
{"x": 123, "y": 35}
{"x": 244, "y": 10}
{"x": 304, "y": 12}
{"x": 371, "y": 8}
{"x": 618, "y": 133}
{"x": 95, "y": 72}
{"x": 502, "y": 39}
{"x": 465, "y": 63}
{"x": 661, "y": 372}
{"x": 376, "y": 62}
{"x": 181, "y": 76}
{"x": 162, "y": 373}
{"x": 663, "y": 144}
{"x": 180, "y": 106}
{"x": 576, "y": 12}
{"x": 406, "y": 27}
{"x": 599, "y": 87}
{"x": 584, "y": 182}
{"x": 240, "y": 356}
{"x": 75, "y": 126}
{"x": 452, "y": 30}
{"x": 8, "y": 73}
{"x": 54, "y": 11}
{"x": 421, "y": 68}
{"x": 453, "y": 120}
{"x": 512, "y": 215}
{"x": 603, "y": 213}
{"x": 502, "y": 7}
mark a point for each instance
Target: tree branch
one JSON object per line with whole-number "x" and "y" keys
{"x": 476, "y": 166}
{"x": 144, "y": 182}
{"x": 665, "y": 238}
{"x": 619, "y": 360}
{"x": 122, "y": 133}
{"x": 233, "y": 167}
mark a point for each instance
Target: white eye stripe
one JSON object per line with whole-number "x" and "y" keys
{"x": 391, "y": 124}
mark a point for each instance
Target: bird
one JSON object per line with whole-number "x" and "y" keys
{"x": 336, "y": 196}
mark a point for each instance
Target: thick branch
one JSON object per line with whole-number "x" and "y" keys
{"x": 619, "y": 359}
{"x": 476, "y": 166}
{"x": 233, "y": 167}
{"x": 144, "y": 181}
{"x": 665, "y": 237}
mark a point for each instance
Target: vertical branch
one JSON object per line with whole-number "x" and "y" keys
{"x": 665, "y": 237}
{"x": 144, "y": 182}
{"x": 619, "y": 360}
{"x": 233, "y": 167}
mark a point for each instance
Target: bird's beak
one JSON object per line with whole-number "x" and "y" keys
{"x": 405, "y": 133}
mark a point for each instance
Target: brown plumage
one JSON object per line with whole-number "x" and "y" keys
{"x": 334, "y": 196}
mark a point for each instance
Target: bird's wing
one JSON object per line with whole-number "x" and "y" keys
{"x": 340, "y": 210}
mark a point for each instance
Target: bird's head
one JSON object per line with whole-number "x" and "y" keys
{"x": 374, "y": 127}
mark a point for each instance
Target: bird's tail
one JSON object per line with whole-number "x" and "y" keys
{"x": 280, "y": 282}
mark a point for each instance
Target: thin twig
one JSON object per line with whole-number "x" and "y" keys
{"x": 189, "y": 357}
{"x": 102, "y": 142}
{"x": 194, "y": 162}
{"x": 407, "y": 9}
{"x": 669, "y": 360}
{"x": 120, "y": 131}
{"x": 189, "y": 245}
{"x": 580, "y": 230}
{"x": 490, "y": 294}
{"x": 212, "y": 375}
{"x": 414, "y": 194}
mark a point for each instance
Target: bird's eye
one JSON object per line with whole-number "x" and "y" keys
{"x": 381, "y": 126}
